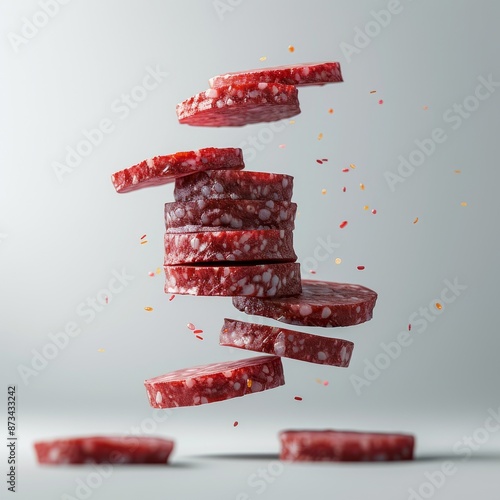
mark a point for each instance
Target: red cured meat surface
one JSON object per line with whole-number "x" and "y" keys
{"x": 286, "y": 343}
{"x": 238, "y": 105}
{"x": 296, "y": 74}
{"x": 229, "y": 246}
{"x": 321, "y": 303}
{"x": 104, "y": 449}
{"x": 344, "y": 446}
{"x": 224, "y": 215}
{"x": 258, "y": 280}
{"x": 234, "y": 185}
{"x": 164, "y": 169}
{"x": 215, "y": 382}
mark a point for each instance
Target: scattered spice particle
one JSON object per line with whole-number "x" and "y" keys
{"x": 282, "y": 146}
{"x": 320, "y": 136}
{"x": 249, "y": 383}
{"x": 457, "y": 171}
{"x": 172, "y": 297}
{"x": 373, "y": 91}
{"x": 319, "y": 381}
{"x": 361, "y": 268}
{"x": 312, "y": 271}
{"x": 106, "y": 299}
{"x": 366, "y": 207}
{"x": 291, "y": 122}
{"x": 199, "y": 338}
{"x": 338, "y": 260}
{"x": 416, "y": 220}
{"x": 374, "y": 211}
{"x": 148, "y": 308}
{"x": 235, "y": 423}
{"x": 464, "y": 203}
{"x": 343, "y": 224}
{"x": 320, "y": 162}
{"x": 344, "y": 189}
{"x": 100, "y": 350}
{"x": 409, "y": 327}
{"x": 324, "y": 159}
{"x": 352, "y": 165}
{"x": 151, "y": 273}
{"x": 143, "y": 236}
{"x": 362, "y": 187}
{"x": 262, "y": 59}
{"x": 323, "y": 191}
{"x": 438, "y": 306}
{"x": 291, "y": 48}
{"x": 425, "y": 108}
{"x": 325, "y": 383}
{"x": 158, "y": 270}
{"x": 143, "y": 242}
{"x": 381, "y": 101}
{"x": 198, "y": 331}
{"x": 191, "y": 326}
{"x": 297, "y": 398}
{"x": 330, "y": 111}
{"x": 345, "y": 170}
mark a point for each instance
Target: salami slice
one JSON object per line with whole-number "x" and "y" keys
{"x": 215, "y": 382}
{"x": 321, "y": 303}
{"x": 164, "y": 169}
{"x": 229, "y": 215}
{"x": 287, "y": 343}
{"x": 259, "y": 280}
{"x": 234, "y": 185}
{"x": 222, "y": 246}
{"x": 238, "y": 105}
{"x": 296, "y": 74}
{"x": 345, "y": 446}
{"x": 104, "y": 449}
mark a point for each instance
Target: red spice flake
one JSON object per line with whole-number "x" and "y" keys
{"x": 345, "y": 170}
{"x": 235, "y": 423}
{"x": 361, "y": 268}
{"x": 381, "y": 101}
{"x": 320, "y": 162}
{"x": 282, "y": 146}
{"x": 425, "y": 108}
{"x": 344, "y": 189}
{"x": 312, "y": 271}
{"x": 143, "y": 236}
{"x": 199, "y": 338}
{"x": 374, "y": 211}
{"x": 191, "y": 326}
{"x": 324, "y": 159}
{"x": 151, "y": 273}
{"x": 106, "y": 299}
{"x": 172, "y": 297}
{"x": 343, "y": 224}
{"x": 297, "y": 398}
{"x": 409, "y": 327}
{"x": 325, "y": 383}
{"x": 198, "y": 331}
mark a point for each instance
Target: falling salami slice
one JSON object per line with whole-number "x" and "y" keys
{"x": 229, "y": 246}
{"x": 321, "y": 303}
{"x": 238, "y": 105}
{"x": 287, "y": 343}
{"x": 164, "y": 169}
{"x": 215, "y": 382}
{"x": 229, "y": 215}
{"x": 344, "y": 446}
{"x": 258, "y": 280}
{"x": 234, "y": 185}
{"x": 104, "y": 449}
{"x": 296, "y": 74}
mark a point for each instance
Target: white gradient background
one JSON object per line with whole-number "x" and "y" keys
{"x": 60, "y": 242}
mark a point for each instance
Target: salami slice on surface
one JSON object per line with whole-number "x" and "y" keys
{"x": 286, "y": 343}
{"x": 296, "y": 74}
{"x": 164, "y": 169}
{"x": 258, "y": 280}
{"x": 238, "y": 105}
{"x": 344, "y": 446}
{"x": 321, "y": 303}
{"x": 229, "y": 246}
{"x": 215, "y": 382}
{"x": 104, "y": 449}
{"x": 229, "y": 215}
{"x": 234, "y": 185}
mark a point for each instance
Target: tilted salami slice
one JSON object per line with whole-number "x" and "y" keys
{"x": 229, "y": 246}
{"x": 345, "y": 446}
{"x": 104, "y": 449}
{"x": 295, "y": 74}
{"x": 321, "y": 303}
{"x": 234, "y": 185}
{"x": 238, "y": 105}
{"x": 258, "y": 280}
{"x": 286, "y": 343}
{"x": 229, "y": 215}
{"x": 164, "y": 169}
{"x": 215, "y": 382}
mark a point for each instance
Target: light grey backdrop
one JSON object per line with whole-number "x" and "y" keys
{"x": 64, "y": 234}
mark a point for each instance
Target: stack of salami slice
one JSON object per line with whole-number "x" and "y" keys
{"x": 229, "y": 232}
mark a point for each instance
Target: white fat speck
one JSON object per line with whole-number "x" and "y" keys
{"x": 54, "y": 453}
{"x": 159, "y": 397}
{"x": 245, "y": 237}
{"x": 275, "y": 89}
{"x": 228, "y": 373}
{"x": 179, "y": 212}
{"x": 305, "y": 70}
{"x": 262, "y": 85}
{"x": 150, "y": 163}
{"x": 219, "y": 103}
{"x": 189, "y": 383}
{"x": 218, "y": 187}
{"x": 204, "y": 400}
{"x": 343, "y": 354}
{"x": 230, "y": 256}
{"x": 253, "y": 94}
{"x": 326, "y": 311}
{"x": 219, "y": 256}
{"x": 295, "y": 349}
{"x": 203, "y": 246}
{"x": 250, "y": 209}
{"x": 247, "y": 247}
{"x": 239, "y": 93}
{"x": 205, "y": 191}
{"x": 201, "y": 204}
{"x": 358, "y": 309}
{"x": 321, "y": 356}
{"x": 236, "y": 223}
{"x": 248, "y": 289}
{"x": 266, "y": 276}
{"x": 225, "y": 219}
{"x": 227, "y": 271}
{"x": 283, "y": 215}
{"x": 195, "y": 243}
{"x": 279, "y": 344}
{"x": 236, "y": 386}
{"x": 305, "y": 310}
{"x": 270, "y": 204}
{"x": 284, "y": 182}
{"x": 265, "y": 369}
{"x": 290, "y": 337}
{"x": 229, "y": 102}
{"x": 264, "y": 214}
{"x": 205, "y": 219}
{"x": 271, "y": 292}
{"x": 256, "y": 386}
{"x": 275, "y": 280}
{"x": 297, "y": 77}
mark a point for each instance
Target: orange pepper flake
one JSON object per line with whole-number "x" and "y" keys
{"x": 158, "y": 270}
{"x": 148, "y": 308}
{"x": 338, "y": 260}
{"x": 262, "y": 59}
{"x": 249, "y": 383}
{"x": 323, "y": 191}
{"x": 100, "y": 350}
{"x": 366, "y": 207}
{"x": 143, "y": 242}
{"x": 362, "y": 187}
{"x": 291, "y": 48}
{"x": 464, "y": 203}
{"x": 457, "y": 171}
{"x": 320, "y": 136}
{"x": 438, "y": 306}
{"x": 425, "y": 108}
{"x": 416, "y": 220}
{"x": 352, "y": 165}
{"x": 330, "y": 111}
